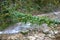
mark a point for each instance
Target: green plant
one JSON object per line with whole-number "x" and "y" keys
{"x": 21, "y": 17}
{"x": 9, "y": 14}
{"x": 15, "y": 17}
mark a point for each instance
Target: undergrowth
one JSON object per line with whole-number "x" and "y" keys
{"x": 9, "y": 11}
{"x": 15, "y": 17}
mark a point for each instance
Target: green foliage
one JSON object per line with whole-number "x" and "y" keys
{"x": 9, "y": 14}
{"x": 30, "y": 5}
{"x": 15, "y": 17}
{"x": 47, "y": 5}
{"x": 21, "y": 17}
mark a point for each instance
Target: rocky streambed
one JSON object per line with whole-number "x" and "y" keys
{"x": 21, "y": 31}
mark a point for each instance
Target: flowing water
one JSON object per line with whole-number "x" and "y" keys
{"x": 15, "y": 28}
